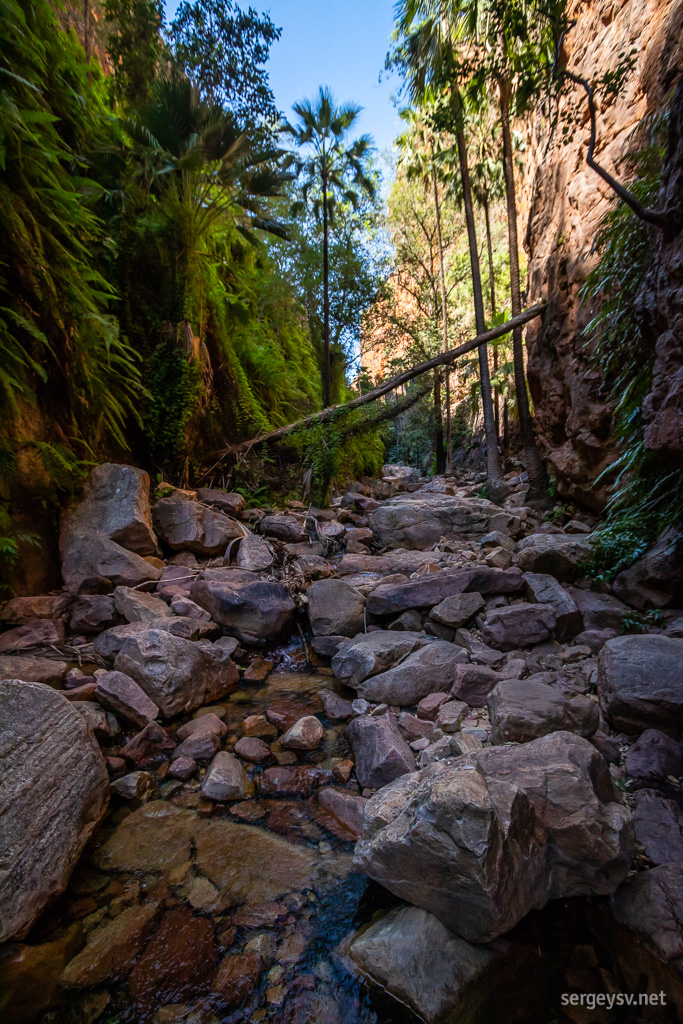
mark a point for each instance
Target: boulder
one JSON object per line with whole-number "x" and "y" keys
{"x": 252, "y": 749}
{"x": 658, "y": 826}
{"x": 371, "y": 653}
{"x": 228, "y": 502}
{"x": 640, "y": 682}
{"x": 115, "y": 505}
{"x": 92, "y": 613}
{"x": 335, "y": 707}
{"x": 177, "y": 962}
{"x": 335, "y": 609}
{"x": 420, "y": 522}
{"x": 544, "y": 589}
{"x": 651, "y": 905}
{"x": 188, "y": 609}
{"x": 249, "y": 608}
{"x": 428, "y": 707}
{"x": 556, "y": 554}
{"x": 656, "y": 579}
{"x": 473, "y": 683}
{"x": 36, "y": 633}
{"x": 380, "y": 751}
{"x": 451, "y": 715}
{"x": 455, "y": 611}
{"x": 54, "y": 793}
{"x": 653, "y": 758}
{"x": 20, "y": 610}
{"x": 482, "y": 839}
{"x": 305, "y": 734}
{"x": 600, "y": 611}
{"x": 285, "y": 528}
{"x": 88, "y": 558}
{"x": 177, "y": 674}
{"x": 518, "y": 625}
{"x": 137, "y": 606}
{"x": 109, "y": 643}
{"x": 524, "y": 709}
{"x": 347, "y": 808}
{"x": 33, "y": 670}
{"x": 208, "y": 722}
{"x": 188, "y": 526}
{"x": 428, "y": 670}
{"x": 433, "y": 588}
{"x": 226, "y": 779}
{"x": 255, "y": 553}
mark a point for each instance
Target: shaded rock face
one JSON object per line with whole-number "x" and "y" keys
{"x": 640, "y": 682}
{"x": 189, "y": 526}
{"x": 55, "y": 790}
{"x": 564, "y": 201}
{"x": 523, "y": 709}
{"x": 656, "y": 579}
{"x": 335, "y": 609}
{"x": 418, "y": 523}
{"x": 555, "y": 554}
{"x": 482, "y": 839}
{"x": 429, "y": 670}
{"x": 249, "y": 608}
{"x": 379, "y": 749}
{"x": 651, "y": 904}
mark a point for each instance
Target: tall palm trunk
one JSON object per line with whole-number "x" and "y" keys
{"x": 538, "y": 481}
{"x": 444, "y": 320}
{"x": 496, "y": 483}
{"x": 492, "y": 289}
{"x": 327, "y": 368}
{"x": 438, "y": 428}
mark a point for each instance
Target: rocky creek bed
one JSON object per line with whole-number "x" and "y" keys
{"x": 393, "y": 760}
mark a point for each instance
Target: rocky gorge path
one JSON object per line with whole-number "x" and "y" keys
{"x": 397, "y": 759}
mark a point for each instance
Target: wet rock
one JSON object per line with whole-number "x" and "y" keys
{"x": 115, "y": 505}
{"x": 483, "y": 839}
{"x": 55, "y": 789}
{"x": 418, "y": 523}
{"x": 290, "y": 781}
{"x": 413, "y": 956}
{"x": 658, "y": 827}
{"x": 136, "y": 606}
{"x": 555, "y": 554}
{"x": 22, "y": 1001}
{"x": 433, "y": 588}
{"x": 121, "y": 694}
{"x": 371, "y": 653}
{"x": 249, "y": 608}
{"x": 640, "y": 682}
{"x": 428, "y": 707}
{"x": 183, "y": 768}
{"x": 238, "y": 977}
{"x": 345, "y": 807}
{"x": 656, "y": 579}
{"x": 335, "y": 609}
{"x": 133, "y": 786}
{"x": 228, "y": 502}
{"x": 335, "y": 707}
{"x": 200, "y": 746}
{"x": 188, "y": 526}
{"x": 253, "y": 749}
{"x": 653, "y": 758}
{"x": 425, "y": 671}
{"x": 177, "y": 962}
{"x": 258, "y": 725}
{"x": 176, "y": 674}
{"x": 149, "y": 745}
{"x": 37, "y": 632}
{"x": 518, "y": 625}
{"x": 524, "y": 709}
{"x": 255, "y": 553}
{"x": 457, "y": 610}
{"x": 92, "y": 613}
{"x": 473, "y": 683}
{"x": 544, "y": 589}
{"x": 208, "y": 722}
{"x": 226, "y": 779}
{"x": 33, "y": 670}
{"x": 285, "y": 528}
{"x": 258, "y": 670}
{"x": 651, "y": 904}
{"x": 380, "y": 752}
{"x": 306, "y": 734}
{"x": 155, "y": 838}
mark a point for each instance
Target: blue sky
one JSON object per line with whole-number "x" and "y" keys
{"x": 340, "y": 43}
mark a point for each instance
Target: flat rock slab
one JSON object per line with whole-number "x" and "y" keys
{"x": 418, "y": 523}
{"x": 433, "y": 588}
{"x": 640, "y": 682}
{"x": 33, "y": 670}
{"x": 55, "y": 790}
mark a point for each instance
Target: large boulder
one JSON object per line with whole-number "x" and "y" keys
{"x": 544, "y": 589}
{"x": 640, "y": 682}
{"x": 88, "y": 558}
{"x": 335, "y": 609}
{"x": 249, "y": 608}
{"x": 651, "y": 905}
{"x": 54, "y": 792}
{"x": 656, "y": 579}
{"x": 33, "y": 670}
{"x": 255, "y": 553}
{"x": 371, "y": 653}
{"x": 115, "y": 505}
{"x": 137, "y": 606}
{"x": 418, "y": 523}
{"x": 524, "y": 709}
{"x": 518, "y": 625}
{"x": 482, "y": 839}
{"x": 109, "y": 643}
{"x": 600, "y": 611}
{"x": 288, "y": 529}
{"x": 433, "y": 588}
{"x": 557, "y": 554}
{"x": 380, "y": 751}
{"x": 428, "y": 670}
{"x": 177, "y": 674}
{"x": 190, "y": 526}
{"x": 226, "y": 501}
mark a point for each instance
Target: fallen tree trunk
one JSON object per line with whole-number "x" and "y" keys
{"x": 388, "y": 413}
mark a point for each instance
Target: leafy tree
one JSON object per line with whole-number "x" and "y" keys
{"x": 330, "y": 170}
{"x": 134, "y": 46}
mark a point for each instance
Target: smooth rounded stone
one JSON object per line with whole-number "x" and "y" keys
{"x": 199, "y": 746}
{"x": 288, "y": 529}
{"x": 334, "y": 706}
{"x": 482, "y": 839}
{"x": 252, "y": 609}
{"x": 285, "y": 781}
{"x": 254, "y": 554}
{"x": 371, "y": 653}
{"x": 150, "y": 744}
{"x": 518, "y": 625}
{"x": 177, "y": 674}
{"x": 226, "y": 779}
{"x": 306, "y": 734}
{"x": 92, "y": 613}
{"x": 380, "y": 751}
{"x": 182, "y": 768}
{"x": 335, "y": 609}
{"x": 188, "y": 608}
{"x": 429, "y": 706}
{"x": 655, "y": 580}
{"x": 137, "y": 606}
{"x": 658, "y": 826}
{"x": 177, "y": 962}
{"x": 451, "y": 715}
{"x": 556, "y": 554}
{"x": 473, "y": 684}
{"x": 650, "y": 904}
{"x": 209, "y": 722}
{"x": 544, "y": 589}
{"x": 121, "y": 694}
{"x": 411, "y": 955}
{"x": 258, "y": 670}
{"x": 524, "y": 709}
{"x": 110, "y": 949}
{"x": 252, "y": 749}
{"x": 429, "y": 669}
{"x": 54, "y": 793}
{"x": 238, "y": 977}
{"x": 418, "y": 745}
{"x": 189, "y": 526}
{"x": 33, "y": 670}
{"x": 457, "y": 610}
{"x": 347, "y": 808}
{"x": 229, "y": 502}
{"x": 640, "y": 682}
{"x": 433, "y": 588}
{"x": 35, "y": 632}
{"x": 109, "y": 643}
{"x": 327, "y": 646}
{"x": 258, "y": 725}
{"x": 420, "y": 522}
{"x": 414, "y": 728}
{"x": 133, "y": 786}
{"x": 360, "y": 706}
{"x": 653, "y": 758}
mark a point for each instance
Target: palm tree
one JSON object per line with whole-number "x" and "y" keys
{"x": 332, "y": 170}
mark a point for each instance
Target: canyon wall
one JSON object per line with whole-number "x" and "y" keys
{"x": 563, "y": 204}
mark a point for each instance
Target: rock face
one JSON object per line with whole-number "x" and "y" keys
{"x": 188, "y": 526}
{"x": 651, "y": 904}
{"x": 55, "y": 789}
{"x": 556, "y": 554}
{"x": 523, "y": 709}
{"x": 546, "y": 590}
{"x": 248, "y": 607}
{"x": 656, "y": 579}
{"x": 417, "y": 523}
{"x": 640, "y": 682}
{"x": 482, "y": 839}
{"x": 429, "y": 670}
{"x": 335, "y": 609}
{"x": 88, "y": 558}
{"x": 379, "y": 749}
{"x": 434, "y": 588}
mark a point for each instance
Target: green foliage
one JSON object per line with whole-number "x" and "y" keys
{"x": 134, "y": 46}
{"x": 175, "y": 389}
{"x": 347, "y": 447}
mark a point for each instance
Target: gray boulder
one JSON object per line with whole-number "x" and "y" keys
{"x": 252, "y": 609}
{"x": 656, "y": 579}
{"x": 54, "y": 793}
{"x": 121, "y": 694}
{"x": 189, "y": 526}
{"x": 335, "y": 609}
{"x": 285, "y": 528}
{"x": 428, "y": 670}
{"x": 544, "y": 589}
{"x": 653, "y": 758}
{"x": 137, "y": 606}
{"x": 518, "y": 625}
{"x": 640, "y": 682}
{"x": 418, "y": 523}
{"x": 455, "y": 611}
{"x": 524, "y": 709}
{"x": 255, "y": 553}
{"x": 658, "y": 826}
{"x": 371, "y": 653}
{"x": 88, "y": 558}
{"x": 115, "y": 505}
{"x": 482, "y": 839}
{"x": 92, "y": 613}
{"x": 226, "y": 779}
{"x": 228, "y": 502}
{"x": 557, "y": 554}
{"x": 651, "y": 905}
{"x": 433, "y": 588}
{"x": 380, "y": 751}
{"x": 109, "y": 643}
{"x": 600, "y": 611}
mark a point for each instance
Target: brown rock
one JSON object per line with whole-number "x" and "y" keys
{"x": 149, "y": 745}
{"x": 20, "y": 610}
{"x": 36, "y": 632}
{"x": 226, "y": 501}
{"x": 177, "y": 962}
{"x": 291, "y": 781}
{"x": 121, "y": 694}
{"x": 345, "y": 807}
{"x": 249, "y": 608}
{"x": 258, "y": 725}
{"x": 238, "y": 977}
{"x": 110, "y": 949}
{"x": 305, "y": 734}
{"x": 429, "y": 705}
{"x": 252, "y": 749}
{"x": 226, "y": 779}
{"x": 33, "y": 670}
{"x": 209, "y": 722}
{"x": 258, "y": 670}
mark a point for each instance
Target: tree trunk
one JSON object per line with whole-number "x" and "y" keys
{"x": 444, "y": 320}
{"x": 86, "y": 29}
{"x": 438, "y": 426}
{"x": 492, "y": 289}
{"x": 538, "y": 481}
{"x": 327, "y": 368}
{"x": 496, "y": 483}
